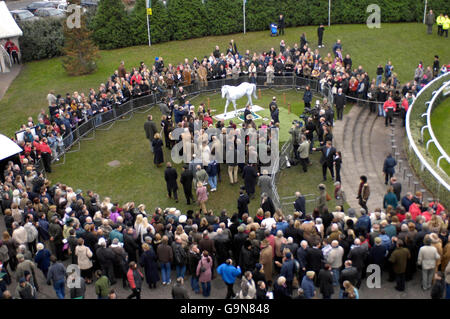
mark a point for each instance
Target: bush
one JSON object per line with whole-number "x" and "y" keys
{"x": 159, "y": 23}
{"x": 187, "y": 19}
{"x": 42, "y": 39}
{"x": 111, "y": 25}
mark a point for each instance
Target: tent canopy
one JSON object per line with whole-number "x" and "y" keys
{"x": 8, "y": 26}
{"x": 8, "y": 147}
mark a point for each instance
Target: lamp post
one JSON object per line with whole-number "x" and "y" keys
{"x": 425, "y": 11}
{"x": 329, "y": 12}
{"x": 243, "y": 9}
{"x": 148, "y": 13}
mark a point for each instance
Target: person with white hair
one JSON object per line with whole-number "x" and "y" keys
{"x": 106, "y": 259}
{"x": 335, "y": 260}
{"x": 358, "y": 255}
{"x": 42, "y": 258}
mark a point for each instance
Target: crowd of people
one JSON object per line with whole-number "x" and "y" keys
{"x": 271, "y": 253}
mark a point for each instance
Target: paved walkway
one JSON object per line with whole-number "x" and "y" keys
{"x": 365, "y": 142}
{"x": 7, "y": 78}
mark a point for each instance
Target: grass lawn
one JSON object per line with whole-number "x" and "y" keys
{"x": 404, "y": 43}
{"x": 137, "y": 179}
{"x": 440, "y": 120}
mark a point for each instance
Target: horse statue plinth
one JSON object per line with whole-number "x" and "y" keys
{"x": 233, "y": 93}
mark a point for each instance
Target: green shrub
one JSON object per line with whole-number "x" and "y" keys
{"x": 111, "y": 25}
{"x": 42, "y": 39}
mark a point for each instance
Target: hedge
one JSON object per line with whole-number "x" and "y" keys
{"x": 42, "y": 39}
{"x": 114, "y": 27}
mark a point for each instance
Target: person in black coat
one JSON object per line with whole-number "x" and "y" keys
{"x": 248, "y": 257}
{"x": 349, "y": 273}
{"x": 303, "y": 41}
{"x": 320, "y": 31}
{"x": 389, "y": 167}
{"x": 280, "y": 289}
{"x": 339, "y": 101}
{"x": 130, "y": 245}
{"x": 157, "y": 145}
{"x": 242, "y": 203}
{"x": 358, "y": 255}
{"x": 149, "y": 262}
{"x": 397, "y": 186}
{"x": 281, "y": 25}
{"x": 267, "y": 204}
{"x": 301, "y": 258}
{"x": 314, "y": 259}
{"x": 328, "y": 154}
{"x": 300, "y": 203}
{"x": 222, "y": 243}
{"x": 171, "y": 175}
{"x": 246, "y": 113}
{"x": 377, "y": 253}
{"x": 326, "y": 282}
{"x": 250, "y": 178}
{"x": 106, "y": 259}
{"x": 337, "y": 165}
{"x": 186, "y": 180}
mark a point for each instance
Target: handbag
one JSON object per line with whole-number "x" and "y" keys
{"x": 328, "y": 197}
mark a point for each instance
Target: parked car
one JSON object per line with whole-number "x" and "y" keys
{"x": 32, "y": 7}
{"x": 50, "y": 12}
{"x": 63, "y": 7}
{"x": 89, "y": 3}
{"x": 23, "y": 15}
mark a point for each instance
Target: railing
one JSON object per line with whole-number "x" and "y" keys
{"x": 435, "y": 181}
{"x": 6, "y": 66}
{"x": 124, "y": 112}
{"x": 437, "y": 98}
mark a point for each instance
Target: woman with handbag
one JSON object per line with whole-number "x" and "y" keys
{"x": 204, "y": 272}
{"x": 84, "y": 255}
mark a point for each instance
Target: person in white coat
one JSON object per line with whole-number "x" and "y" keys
{"x": 428, "y": 256}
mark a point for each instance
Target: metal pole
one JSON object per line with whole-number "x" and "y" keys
{"x": 329, "y": 12}
{"x": 244, "y": 1}
{"x": 148, "y": 5}
{"x": 425, "y": 11}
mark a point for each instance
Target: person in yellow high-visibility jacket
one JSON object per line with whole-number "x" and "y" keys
{"x": 440, "y": 22}
{"x": 445, "y": 26}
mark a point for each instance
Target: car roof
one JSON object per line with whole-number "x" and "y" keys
{"x": 19, "y": 10}
{"x": 47, "y": 8}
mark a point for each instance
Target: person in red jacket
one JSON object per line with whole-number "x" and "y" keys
{"x": 389, "y": 108}
{"x": 414, "y": 210}
{"x": 403, "y": 110}
{"x": 438, "y": 207}
{"x": 15, "y": 53}
{"x": 135, "y": 278}
{"x": 46, "y": 155}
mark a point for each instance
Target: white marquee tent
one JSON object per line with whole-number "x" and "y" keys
{"x": 8, "y": 147}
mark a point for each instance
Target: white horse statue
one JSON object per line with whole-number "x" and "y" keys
{"x": 233, "y": 93}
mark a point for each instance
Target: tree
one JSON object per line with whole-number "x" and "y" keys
{"x": 159, "y": 23}
{"x": 224, "y": 17}
{"x": 79, "y": 49}
{"x": 188, "y": 19}
{"x": 111, "y": 25}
